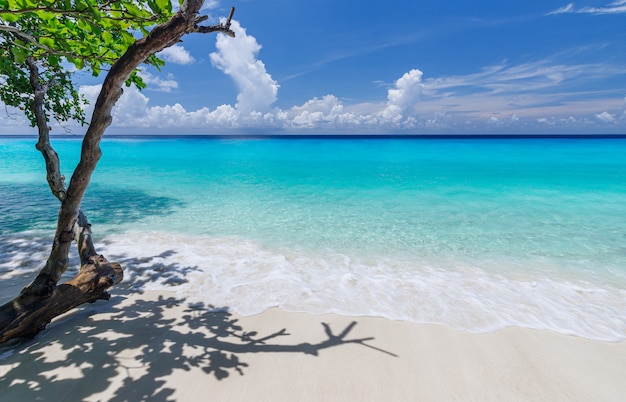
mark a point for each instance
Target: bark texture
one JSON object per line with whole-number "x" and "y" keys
{"x": 43, "y": 300}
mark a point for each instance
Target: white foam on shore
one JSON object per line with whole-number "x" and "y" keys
{"x": 249, "y": 278}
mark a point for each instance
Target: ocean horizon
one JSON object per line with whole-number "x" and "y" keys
{"x": 477, "y": 233}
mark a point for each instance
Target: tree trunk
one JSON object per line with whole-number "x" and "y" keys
{"x": 43, "y": 300}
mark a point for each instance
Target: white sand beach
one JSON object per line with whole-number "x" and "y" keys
{"x": 152, "y": 346}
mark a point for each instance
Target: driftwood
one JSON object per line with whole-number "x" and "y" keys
{"x": 43, "y": 299}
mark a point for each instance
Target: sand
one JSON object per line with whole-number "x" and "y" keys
{"x": 152, "y": 346}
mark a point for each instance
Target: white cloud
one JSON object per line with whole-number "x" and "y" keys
{"x": 616, "y": 7}
{"x": 406, "y": 93}
{"x": 563, "y": 10}
{"x": 498, "y": 98}
{"x": 176, "y": 54}
{"x": 315, "y": 112}
{"x": 238, "y": 58}
{"x": 606, "y": 117}
{"x": 208, "y": 5}
{"x": 13, "y": 121}
{"x": 156, "y": 83}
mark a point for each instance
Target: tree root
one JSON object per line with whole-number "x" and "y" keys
{"x": 29, "y": 313}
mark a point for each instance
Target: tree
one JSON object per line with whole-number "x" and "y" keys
{"x": 38, "y": 38}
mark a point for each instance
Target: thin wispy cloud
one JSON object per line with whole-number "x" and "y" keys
{"x": 527, "y": 77}
{"x": 360, "y": 48}
{"x": 207, "y": 5}
{"x": 570, "y": 8}
{"x": 616, "y": 7}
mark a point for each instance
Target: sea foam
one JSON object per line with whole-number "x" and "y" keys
{"x": 248, "y": 278}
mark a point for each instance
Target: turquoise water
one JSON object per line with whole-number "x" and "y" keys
{"x": 473, "y": 234}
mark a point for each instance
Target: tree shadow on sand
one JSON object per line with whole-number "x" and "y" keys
{"x": 128, "y": 347}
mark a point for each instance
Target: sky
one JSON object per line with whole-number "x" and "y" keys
{"x": 383, "y": 67}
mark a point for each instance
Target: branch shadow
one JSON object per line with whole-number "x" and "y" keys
{"x": 126, "y": 348}
{"x": 22, "y": 255}
{"x": 28, "y": 210}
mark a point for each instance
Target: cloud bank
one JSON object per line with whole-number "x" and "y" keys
{"x": 542, "y": 96}
{"x": 258, "y": 92}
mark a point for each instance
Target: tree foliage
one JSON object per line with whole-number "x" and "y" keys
{"x": 59, "y": 36}
{"x": 39, "y": 41}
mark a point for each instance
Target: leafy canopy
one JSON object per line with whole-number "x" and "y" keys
{"x": 58, "y": 36}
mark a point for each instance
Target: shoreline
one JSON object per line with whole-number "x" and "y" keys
{"x": 478, "y": 302}
{"x": 152, "y": 345}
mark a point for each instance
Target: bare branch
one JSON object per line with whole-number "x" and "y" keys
{"x": 230, "y": 17}
{"x": 223, "y": 28}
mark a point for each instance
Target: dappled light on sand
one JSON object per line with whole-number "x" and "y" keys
{"x": 131, "y": 346}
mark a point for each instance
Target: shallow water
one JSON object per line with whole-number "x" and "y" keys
{"x": 473, "y": 234}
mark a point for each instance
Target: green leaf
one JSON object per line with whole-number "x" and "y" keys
{"x": 9, "y": 17}
{"x": 164, "y": 5}
{"x": 19, "y": 54}
{"x": 54, "y": 60}
{"x": 134, "y": 10}
{"x": 48, "y": 42}
{"x": 79, "y": 63}
{"x": 153, "y": 6}
{"x": 107, "y": 37}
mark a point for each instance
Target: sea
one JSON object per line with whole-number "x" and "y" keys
{"x": 477, "y": 234}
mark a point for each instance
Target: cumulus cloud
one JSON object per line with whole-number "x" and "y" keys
{"x": 407, "y": 91}
{"x": 238, "y": 58}
{"x": 158, "y": 84}
{"x": 442, "y": 105}
{"x": 404, "y": 96}
{"x": 498, "y": 98}
{"x": 315, "y": 112}
{"x": 133, "y": 110}
{"x": 605, "y": 117}
{"x": 176, "y": 54}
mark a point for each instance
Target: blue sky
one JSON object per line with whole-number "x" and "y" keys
{"x": 427, "y": 67}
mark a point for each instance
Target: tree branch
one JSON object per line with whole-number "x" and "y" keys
{"x": 80, "y": 14}
{"x": 43, "y": 300}
{"x": 161, "y": 36}
{"x": 28, "y": 314}
{"x": 32, "y": 40}
{"x": 223, "y": 28}
{"x": 56, "y": 180}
